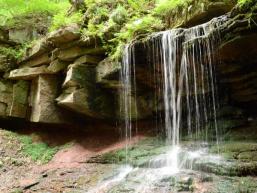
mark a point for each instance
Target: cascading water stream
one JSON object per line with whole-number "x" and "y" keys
{"x": 187, "y": 62}
{"x": 128, "y": 106}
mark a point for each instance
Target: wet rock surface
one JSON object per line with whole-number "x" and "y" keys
{"x": 78, "y": 168}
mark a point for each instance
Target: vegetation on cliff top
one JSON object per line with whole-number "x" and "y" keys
{"x": 116, "y": 22}
{"x": 11, "y": 10}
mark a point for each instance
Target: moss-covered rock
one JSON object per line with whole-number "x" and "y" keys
{"x": 138, "y": 154}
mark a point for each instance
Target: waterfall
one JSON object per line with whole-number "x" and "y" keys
{"x": 128, "y": 105}
{"x": 185, "y": 58}
{"x": 181, "y": 66}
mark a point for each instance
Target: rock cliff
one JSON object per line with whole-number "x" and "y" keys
{"x": 64, "y": 75}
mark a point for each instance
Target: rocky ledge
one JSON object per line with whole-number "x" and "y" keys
{"x": 64, "y": 75}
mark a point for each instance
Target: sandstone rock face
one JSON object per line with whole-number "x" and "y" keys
{"x": 68, "y": 74}
{"x": 238, "y": 54}
{"x": 199, "y": 12}
{"x": 61, "y": 68}
{"x": 72, "y": 53}
{"x": 107, "y": 73}
{"x": 19, "y": 106}
{"x": 37, "y": 61}
{"x": 81, "y": 93}
{"x": 64, "y": 35}
{"x": 87, "y": 59}
{"x": 141, "y": 106}
{"x": 38, "y": 48}
{"x": 87, "y": 101}
{"x": 57, "y": 66}
{"x": 79, "y": 76}
{"x": 5, "y": 97}
{"x": 28, "y": 73}
{"x": 43, "y": 93}
{"x": 20, "y": 35}
{"x": 14, "y": 98}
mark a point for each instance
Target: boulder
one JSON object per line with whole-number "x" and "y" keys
{"x": 79, "y": 76}
{"x": 36, "y": 61}
{"x": 20, "y": 35}
{"x": 87, "y": 59}
{"x": 107, "y": 73}
{"x": 19, "y": 104}
{"x": 28, "y": 73}
{"x": 57, "y": 66}
{"x": 74, "y": 52}
{"x": 88, "y": 101}
{"x": 6, "y": 89}
{"x": 64, "y": 35}
{"x": 44, "y": 90}
{"x": 38, "y": 48}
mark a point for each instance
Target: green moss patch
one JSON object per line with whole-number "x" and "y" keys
{"x": 36, "y": 150}
{"x": 137, "y": 154}
{"x": 242, "y": 151}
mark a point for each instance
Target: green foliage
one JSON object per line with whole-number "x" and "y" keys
{"x": 118, "y": 22}
{"x": 14, "y": 53}
{"x": 244, "y": 2}
{"x": 9, "y": 9}
{"x": 37, "y": 151}
{"x": 61, "y": 19}
{"x": 165, "y": 7}
{"x": 139, "y": 26}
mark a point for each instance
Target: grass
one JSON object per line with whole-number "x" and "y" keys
{"x": 38, "y": 151}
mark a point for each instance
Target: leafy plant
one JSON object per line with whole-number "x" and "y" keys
{"x": 61, "y": 19}
{"x": 165, "y": 7}
{"x": 14, "y": 53}
{"x": 9, "y": 9}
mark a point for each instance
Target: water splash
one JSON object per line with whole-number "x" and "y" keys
{"x": 106, "y": 184}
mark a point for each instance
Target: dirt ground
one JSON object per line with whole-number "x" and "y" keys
{"x": 66, "y": 172}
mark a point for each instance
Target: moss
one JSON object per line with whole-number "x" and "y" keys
{"x": 233, "y": 150}
{"x": 32, "y": 147}
{"x": 14, "y": 53}
{"x": 138, "y": 154}
{"x": 40, "y": 152}
{"x": 235, "y": 185}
